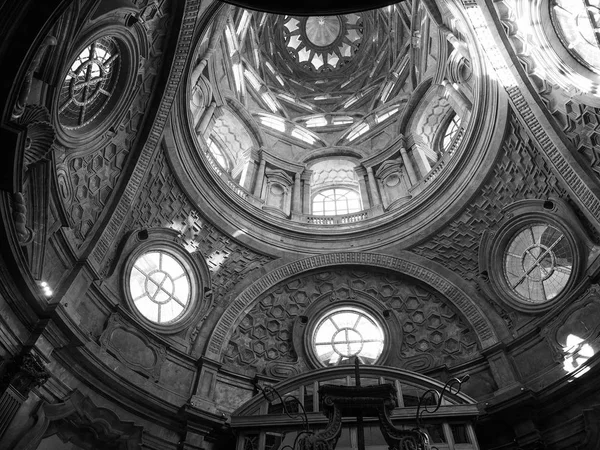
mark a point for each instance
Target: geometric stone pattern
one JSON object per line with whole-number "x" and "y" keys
{"x": 233, "y": 133}
{"x": 87, "y": 181}
{"x": 581, "y": 123}
{"x": 431, "y": 119}
{"x": 162, "y": 203}
{"x": 520, "y": 173}
{"x": 433, "y": 332}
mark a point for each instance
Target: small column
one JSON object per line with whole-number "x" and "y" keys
{"x": 376, "y": 198}
{"x": 22, "y": 374}
{"x": 297, "y": 205}
{"x": 410, "y": 170}
{"x": 306, "y": 176}
{"x": 204, "y": 395}
{"x": 260, "y": 176}
{"x": 208, "y": 115}
{"x": 360, "y": 175}
{"x": 218, "y": 27}
{"x": 250, "y": 170}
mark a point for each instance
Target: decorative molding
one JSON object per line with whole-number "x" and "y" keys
{"x": 422, "y": 330}
{"x": 24, "y": 374}
{"x": 91, "y": 160}
{"x": 233, "y": 313}
{"x": 133, "y": 348}
{"x": 131, "y": 191}
{"x": 80, "y": 412}
{"x": 523, "y": 98}
{"x": 520, "y": 172}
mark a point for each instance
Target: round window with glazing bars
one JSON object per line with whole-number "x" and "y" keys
{"x": 348, "y": 333}
{"x": 538, "y": 262}
{"x": 160, "y": 287}
{"x": 90, "y": 83}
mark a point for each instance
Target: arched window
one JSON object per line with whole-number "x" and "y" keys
{"x": 336, "y": 201}
{"x": 450, "y": 133}
{"x": 334, "y": 187}
{"x": 218, "y": 155}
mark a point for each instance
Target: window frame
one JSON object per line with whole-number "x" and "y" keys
{"x": 197, "y": 272}
{"x": 496, "y": 240}
{"x": 327, "y": 316}
{"x": 118, "y": 104}
{"x": 333, "y": 188}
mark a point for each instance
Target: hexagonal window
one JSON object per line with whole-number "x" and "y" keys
{"x": 345, "y": 333}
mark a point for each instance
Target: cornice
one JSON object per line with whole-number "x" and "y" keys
{"x": 440, "y": 199}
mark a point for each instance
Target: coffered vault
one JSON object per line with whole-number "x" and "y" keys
{"x": 199, "y": 197}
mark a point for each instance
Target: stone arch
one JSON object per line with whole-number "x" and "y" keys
{"x": 405, "y": 264}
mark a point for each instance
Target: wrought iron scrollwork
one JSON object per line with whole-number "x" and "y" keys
{"x": 452, "y": 387}
{"x": 306, "y": 439}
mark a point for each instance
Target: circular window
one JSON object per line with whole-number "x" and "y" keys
{"x": 538, "y": 262}
{"x": 89, "y": 83}
{"x": 347, "y": 333}
{"x": 577, "y": 29}
{"x": 160, "y": 287}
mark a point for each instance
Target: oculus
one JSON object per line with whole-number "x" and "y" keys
{"x": 346, "y": 333}
{"x": 538, "y": 262}
{"x": 578, "y": 29}
{"x": 160, "y": 287}
{"x": 321, "y": 43}
{"x": 89, "y": 83}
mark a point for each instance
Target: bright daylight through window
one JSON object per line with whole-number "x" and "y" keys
{"x": 336, "y": 201}
{"x": 160, "y": 287}
{"x": 347, "y": 333}
{"x": 89, "y": 83}
{"x": 538, "y": 262}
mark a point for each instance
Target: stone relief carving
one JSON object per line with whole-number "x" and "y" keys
{"x": 87, "y": 181}
{"x": 79, "y": 420}
{"x": 581, "y": 318}
{"x": 114, "y": 229}
{"x": 525, "y": 107}
{"x": 133, "y": 348}
{"x": 520, "y": 173}
{"x": 434, "y": 333}
{"x": 162, "y": 203}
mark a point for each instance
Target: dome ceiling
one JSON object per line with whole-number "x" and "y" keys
{"x": 331, "y": 64}
{"x": 375, "y": 92}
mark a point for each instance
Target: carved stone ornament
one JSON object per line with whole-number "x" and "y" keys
{"x": 581, "y": 318}
{"x": 40, "y": 133}
{"x": 133, "y": 348}
{"x": 19, "y": 206}
{"x": 20, "y": 105}
{"x": 80, "y": 421}
{"x": 368, "y": 401}
{"x": 24, "y": 374}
